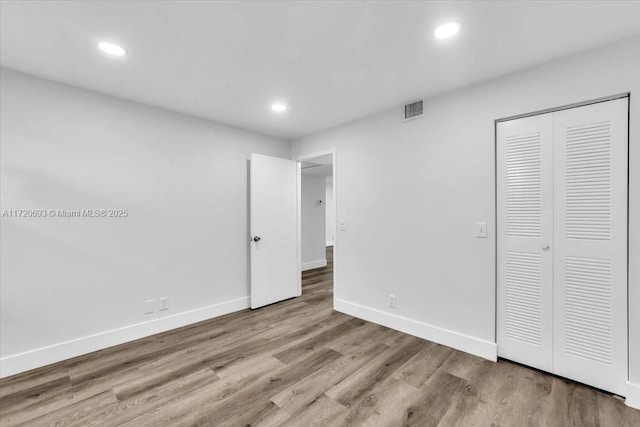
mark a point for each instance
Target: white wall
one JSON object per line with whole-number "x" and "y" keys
{"x": 184, "y": 183}
{"x": 330, "y": 212}
{"x": 313, "y": 222}
{"x": 412, "y": 192}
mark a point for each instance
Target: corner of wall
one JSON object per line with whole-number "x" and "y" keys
{"x": 633, "y": 395}
{"x": 485, "y": 349}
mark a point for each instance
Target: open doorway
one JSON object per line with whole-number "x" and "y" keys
{"x": 317, "y": 225}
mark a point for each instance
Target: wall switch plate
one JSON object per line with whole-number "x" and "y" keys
{"x": 392, "y": 301}
{"x": 343, "y": 225}
{"x": 164, "y": 303}
{"x": 149, "y": 306}
{"x": 481, "y": 230}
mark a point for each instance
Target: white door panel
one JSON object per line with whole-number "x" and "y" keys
{"x": 525, "y": 215}
{"x": 591, "y": 151}
{"x": 275, "y": 270}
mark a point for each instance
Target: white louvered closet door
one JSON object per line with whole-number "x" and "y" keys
{"x": 590, "y": 255}
{"x": 525, "y": 228}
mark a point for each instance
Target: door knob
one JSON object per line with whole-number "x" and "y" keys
{"x": 545, "y": 247}
{"x": 256, "y": 239}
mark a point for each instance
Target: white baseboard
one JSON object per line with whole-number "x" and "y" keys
{"x": 314, "y": 264}
{"x": 633, "y": 395}
{"x": 468, "y": 344}
{"x": 329, "y": 243}
{"x": 14, "y": 364}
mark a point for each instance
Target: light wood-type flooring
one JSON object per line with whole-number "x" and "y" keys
{"x": 297, "y": 363}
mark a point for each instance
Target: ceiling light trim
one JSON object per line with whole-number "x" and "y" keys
{"x": 112, "y": 49}
{"x": 447, "y": 30}
{"x": 279, "y": 107}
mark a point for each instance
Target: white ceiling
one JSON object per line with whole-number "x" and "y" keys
{"x": 331, "y": 62}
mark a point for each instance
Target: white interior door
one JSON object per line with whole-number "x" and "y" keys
{"x": 275, "y": 269}
{"x": 591, "y": 149}
{"x": 525, "y": 231}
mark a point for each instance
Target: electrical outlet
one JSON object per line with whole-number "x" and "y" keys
{"x": 343, "y": 225}
{"x": 149, "y": 306}
{"x": 392, "y": 301}
{"x": 164, "y": 303}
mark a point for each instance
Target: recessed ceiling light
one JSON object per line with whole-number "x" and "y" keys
{"x": 447, "y": 30}
{"x": 279, "y": 107}
{"x": 112, "y": 49}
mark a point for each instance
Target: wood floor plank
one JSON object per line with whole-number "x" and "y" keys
{"x": 353, "y": 388}
{"x": 298, "y": 363}
{"x": 201, "y": 350}
{"x": 17, "y": 388}
{"x": 530, "y": 398}
{"x": 475, "y": 406}
{"x": 438, "y": 395}
{"x": 462, "y": 365}
{"x": 264, "y": 383}
{"x": 56, "y": 399}
{"x": 354, "y": 339}
{"x": 34, "y": 394}
{"x": 384, "y": 406}
{"x": 324, "y": 411}
{"x": 582, "y": 408}
{"x": 268, "y": 347}
{"x": 191, "y": 408}
{"x": 262, "y": 412}
{"x": 417, "y": 370}
{"x": 204, "y": 356}
{"x": 311, "y": 313}
{"x": 163, "y": 395}
{"x": 68, "y": 415}
{"x": 615, "y": 412}
{"x": 185, "y": 405}
{"x": 135, "y": 357}
{"x": 304, "y": 392}
{"x": 273, "y": 419}
{"x": 318, "y": 341}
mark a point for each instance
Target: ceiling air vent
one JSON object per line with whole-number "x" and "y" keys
{"x": 413, "y": 111}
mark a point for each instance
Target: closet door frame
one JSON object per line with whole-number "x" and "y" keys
{"x": 497, "y": 217}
